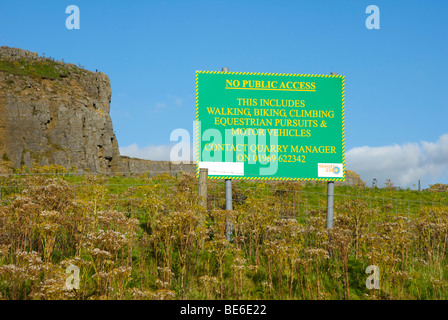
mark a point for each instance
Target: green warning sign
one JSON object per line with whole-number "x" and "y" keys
{"x": 270, "y": 126}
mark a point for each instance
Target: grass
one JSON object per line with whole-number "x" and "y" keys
{"x": 43, "y": 68}
{"x": 146, "y": 238}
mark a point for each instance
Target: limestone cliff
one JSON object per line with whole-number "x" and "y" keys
{"x": 56, "y": 113}
{"x": 52, "y": 112}
{"x": 351, "y": 179}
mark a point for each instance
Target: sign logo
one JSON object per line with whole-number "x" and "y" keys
{"x": 329, "y": 170}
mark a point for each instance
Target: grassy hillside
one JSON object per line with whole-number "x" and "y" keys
{"x": 41, "y": 67}
{"x": 44, "y": 68}
{"x": 146, "y": 238}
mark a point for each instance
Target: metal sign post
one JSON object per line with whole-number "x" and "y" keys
{"x": 330, "y": 204}
{"x": 278, "y": 126}
{"x": 229, "y": 205}
{"x": 330, "y": 196}
{"x": 301, "y": 114}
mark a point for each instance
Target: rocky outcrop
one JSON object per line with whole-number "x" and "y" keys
{"x": 351, "y": 179}
{"x": 55, "y": 113}
{"x": 133, "y": 165}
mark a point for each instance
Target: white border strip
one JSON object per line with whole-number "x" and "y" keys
{"x": 223, "y": 168}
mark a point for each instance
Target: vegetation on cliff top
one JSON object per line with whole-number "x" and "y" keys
{"x": 37, "y": 67}
{"x": 44, "y": 68}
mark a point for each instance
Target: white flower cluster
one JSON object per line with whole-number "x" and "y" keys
{"x": 163, "y": 295}
{"x": 110, "y": 240}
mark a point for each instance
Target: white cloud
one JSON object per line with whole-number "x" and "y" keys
{"x": 158, "y": 106}
{"x": 177, "y": 100}
{"x": 403, "y": 164}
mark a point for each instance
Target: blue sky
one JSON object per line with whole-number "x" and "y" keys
{"x": 396, "y": 77}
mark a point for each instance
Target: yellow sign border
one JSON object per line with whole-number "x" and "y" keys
{"x": 273, "y": 74}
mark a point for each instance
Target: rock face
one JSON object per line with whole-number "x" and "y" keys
{"x": 134, "y": 165}
{"x": 351, "y": 179}
{"x": 55, "y": 113}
